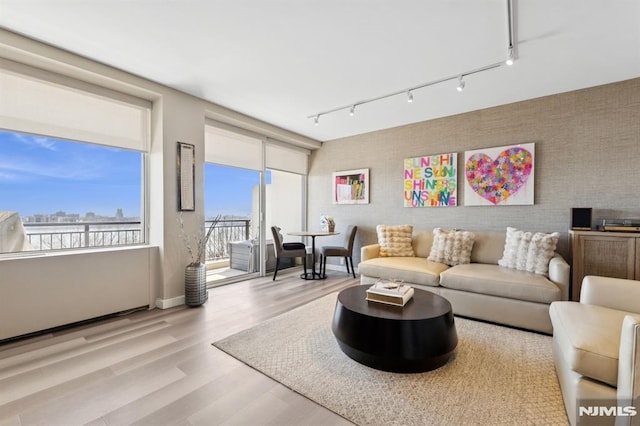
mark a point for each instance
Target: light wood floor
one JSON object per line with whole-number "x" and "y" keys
{"x": 158, "y": 367}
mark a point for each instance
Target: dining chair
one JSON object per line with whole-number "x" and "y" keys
{"x": 287, "y": 250}
{"x": 345, "y": 251}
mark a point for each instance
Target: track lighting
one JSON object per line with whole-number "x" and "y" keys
{"x": 510, "y": 56}
{"x": 408, "y": 91}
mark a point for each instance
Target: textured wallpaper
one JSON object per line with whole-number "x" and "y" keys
{"x": 587, "y": 154}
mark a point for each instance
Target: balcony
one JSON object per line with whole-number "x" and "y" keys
{"x": 63, "y": 236}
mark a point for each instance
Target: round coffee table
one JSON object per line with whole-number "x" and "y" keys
{"x": 420, "y": 336}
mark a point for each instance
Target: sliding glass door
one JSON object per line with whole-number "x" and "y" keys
{"x": 251, "y": 183}
{"x": 232, "y": 198}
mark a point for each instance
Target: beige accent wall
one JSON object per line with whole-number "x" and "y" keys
{"x": 587, "y": 154}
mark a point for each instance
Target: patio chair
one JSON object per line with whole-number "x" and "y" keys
{"x": 287, "y": 250}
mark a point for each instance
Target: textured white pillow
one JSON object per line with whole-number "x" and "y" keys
{"x": 526, "y": 251}
{"x": 451, "y": 247}
{"x": 395, "y": 240}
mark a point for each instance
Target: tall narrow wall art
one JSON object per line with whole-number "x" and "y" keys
{"x": 500, "y": 176}
{"x": 431, "y": 181}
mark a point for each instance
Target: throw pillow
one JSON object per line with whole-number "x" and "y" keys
{"x": 395, "y": 240}
{"x": 451, "y": 247}
{"x": 527, "y": 251}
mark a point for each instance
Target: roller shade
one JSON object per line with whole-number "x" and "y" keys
{"x": 232, "y": 149}
{"x": 234, "y": 146}
{"x": 280, "y": 157}
{"x": 38, "y": 106}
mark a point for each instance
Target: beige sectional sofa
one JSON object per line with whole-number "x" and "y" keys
{"x": 596, "y": 350}
{"x": 480, "y": 289}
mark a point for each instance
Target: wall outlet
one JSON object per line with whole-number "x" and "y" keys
{"x": 342, "y": 260}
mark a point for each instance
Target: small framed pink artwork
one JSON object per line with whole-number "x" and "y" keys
{"x": 351, "y": 187}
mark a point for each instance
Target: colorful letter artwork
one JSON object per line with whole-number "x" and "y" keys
{"x": 431, "y": 181}
{"x": 351, "y": 187}
{"x": 499, "y": 176}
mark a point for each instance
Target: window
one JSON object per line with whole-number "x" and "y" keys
{"x": 72, "y": 160}
{"x": 57, "y": 194}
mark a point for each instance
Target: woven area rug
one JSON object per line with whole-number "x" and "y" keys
{"x": 497, "y": 376}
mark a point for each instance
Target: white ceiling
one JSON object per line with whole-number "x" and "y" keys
{"x": 284, "y": 60}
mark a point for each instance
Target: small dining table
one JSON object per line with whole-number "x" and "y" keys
{"x": 313, "y": 234}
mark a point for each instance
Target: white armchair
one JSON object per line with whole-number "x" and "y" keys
{"x": 596, "y": 348}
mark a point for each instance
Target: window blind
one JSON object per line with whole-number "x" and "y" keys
{"x": 34, "y": 105}
{"x": 229, "y": 148}
{"x": 280, "y": 157}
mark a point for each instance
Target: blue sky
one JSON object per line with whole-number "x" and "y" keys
{"x": 228, "y": 190}
{"x": 45, "y": 175}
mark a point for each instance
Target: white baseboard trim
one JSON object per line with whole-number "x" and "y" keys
{"x": 169, "y": 303}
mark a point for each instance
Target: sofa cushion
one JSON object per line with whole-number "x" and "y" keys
{"x": 395, "y": 240}
{"x": 416, "y": 270}
{"x": 527, "y": 251}
{"x": 487, "y": 247}
{"x": 589, "y": 338}
{"x": 451, "y": 247}
{"x": 503, "y": 282}
{"x": 422, "y": 242}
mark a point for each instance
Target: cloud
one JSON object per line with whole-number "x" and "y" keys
{"x": 22, "y": 169}
{"x": 37, "y": 141}
{"x": 8, "y": 177}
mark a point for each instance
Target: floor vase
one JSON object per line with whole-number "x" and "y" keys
{"x": 195, "y": 284}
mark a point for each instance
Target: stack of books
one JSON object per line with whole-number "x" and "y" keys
{"x": 390, "y": 292}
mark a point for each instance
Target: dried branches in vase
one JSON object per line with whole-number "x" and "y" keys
{"x": 196, "y": 244}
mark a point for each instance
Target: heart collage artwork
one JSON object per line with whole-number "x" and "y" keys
{"x": 497, "y": 179}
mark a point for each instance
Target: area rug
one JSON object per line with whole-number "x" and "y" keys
{"x": 498, "y": 375}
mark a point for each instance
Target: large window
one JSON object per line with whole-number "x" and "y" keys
{"x": 57, "y": 194}
{"x": 72, "y": 160}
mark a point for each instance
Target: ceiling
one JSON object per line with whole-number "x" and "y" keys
{"x": 282, "y": 61}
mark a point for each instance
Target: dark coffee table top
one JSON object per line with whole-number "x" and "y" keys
{"x": 419, "y": 336}
{"x": 423, "y": 305}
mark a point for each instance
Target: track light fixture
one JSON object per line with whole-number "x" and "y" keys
{"x": 510, "y": 56}
{"x": 460, "y": 77}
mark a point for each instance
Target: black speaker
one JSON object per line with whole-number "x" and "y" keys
{"x": 581, "y": 219}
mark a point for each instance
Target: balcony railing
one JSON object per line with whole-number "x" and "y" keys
{"x": 227, "y": 230}
{"x": 59, "y": 236}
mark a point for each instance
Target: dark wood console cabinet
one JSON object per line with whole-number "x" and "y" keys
{"x": 608, "y": 254}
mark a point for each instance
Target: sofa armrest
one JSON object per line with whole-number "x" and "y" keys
{"x": 629, "y": 362}
{"x": 560, "y": 274}
{"x": 614, "y": 293}
{"x": 369, "y": 252}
